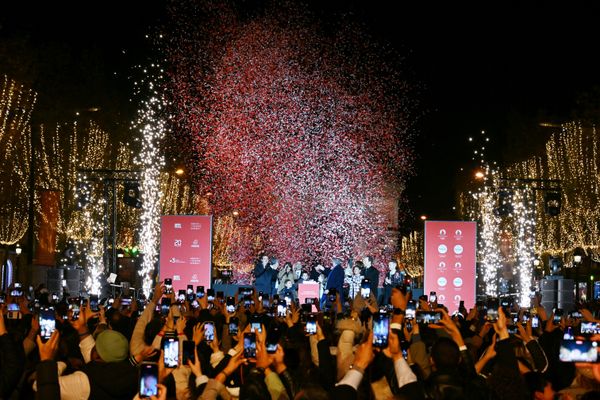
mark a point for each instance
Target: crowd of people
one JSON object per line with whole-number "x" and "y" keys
{"x": 205, "y": 349}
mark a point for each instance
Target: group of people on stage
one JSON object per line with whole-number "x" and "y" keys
{"x": 270, "y": 278}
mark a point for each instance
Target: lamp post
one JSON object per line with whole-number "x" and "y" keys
{"x": 577, "y": 258}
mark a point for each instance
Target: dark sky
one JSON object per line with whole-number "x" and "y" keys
{"x": 499, "y": 69}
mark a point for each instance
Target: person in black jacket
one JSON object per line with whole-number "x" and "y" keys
{"x": 265, "y": 276}
{"x": 12, "y": 360}
{"x": 372, "y": 274}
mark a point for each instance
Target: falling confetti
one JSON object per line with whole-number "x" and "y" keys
{"x": 302, "y": 134}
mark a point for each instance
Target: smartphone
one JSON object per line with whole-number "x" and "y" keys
{"x": 168, "y": 286}
{"x": 578, "y": 351}
{"x": 432, "y": 297}
{"x": 558, "y": 314}
{"x": 461, "y": 304}
{"x": 491, "y": 315}
{"x": 411, "y": 310}
{"x": 281, "y": 309}
{"x": 171, "y": 352}
{"x": 17, "y": 290}
{"x": 220, "y": 294}
{"x": 74, "y": 306}
{"x": 381, "y": 327}
{"x": 2, "y": 298}
{"x": 428, "y": 317}
{"x": 568, "y": 334}
{"x": 210, "y": 294}
{"x": 230, "y": 304}
{"x": 199, "y": 292}
{"x": 189, "y": 354}
{"x": 148, "y": 379}
{"x": 255, "y": 323}
{"x": 125, "y": 302}
{"x": 209, "y": 331}
{"x": 234, "y": 323}
{"x": 273, "y": 336}
{"x": 309, "y": 300}
{"x": 250, "y": 345}
{"x": 590, "y": 328}
{"x": 332, "y": 295}
{"x": 575, "y": 315}
{"x": 512, "y": 329}
{"x": 181, "y": 296}
{"x": 365, "y": 289}
{"x": 535, "y": 321}
{"x": 190, "y": 289}
{"x": 14, "y": 312}
{"x": 311, "y": 325}
{"x": 94, "y": 303}
{"x": 165, "y": 305}
{"x": 47, "y": 323}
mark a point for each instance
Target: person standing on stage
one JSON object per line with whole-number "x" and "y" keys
{"x": 372, "y": 274}
{"x": 284, "y": 274}
{"x": 335, "y": 279}
{"x": 393, "y": 278}
{"x": 264, "y": 276}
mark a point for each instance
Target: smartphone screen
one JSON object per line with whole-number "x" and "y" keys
{"x": 578, "y": 351}
{"x": 332, "y": 295}
{"x": 428, "y": 317}
{"x": 125, "y": 302}
{"x": 311, "y": 325}
{"x": 165, "y": 304}
{"x": 365, "y": 289}
{"x": 181, "y": 296}
{"x": 411, "y": 310}
{"x": 589, "y": 328}
{"x": 47, "y": 323}
{"x": 94, "y": 303}
{"x": 233, "y": 325}
{"x": 491, "y": 315}
{"x": 381, "y": 326}
{"x": 255, "y": 323}
{"x": 250, "y": 345}
{"x": 558, "y": 313}
{"x": 273, "y": 337}
{"x": 209, "y": 331}
{"x": 230, "y": 302}
{"x": 171, "y": 352}
{"x": 190, "y": 289}
{"x": 168, "y": 285}
{"x": 210, "y": 294}
{"x": 148, "y": 379}
{"x": 432, "y": 297}
{"x": 281, "y": 309}
{"x": 535, "y": 321}
{"x": 189, "y": 348}
{"x": 568, "y": 334}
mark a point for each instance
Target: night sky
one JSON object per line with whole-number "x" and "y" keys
{"x": 502, "y": 70}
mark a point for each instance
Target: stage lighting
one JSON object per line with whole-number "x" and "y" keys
{"x": 82, "y": 195}
{"x": 131, "y": 195}
{"x": 552, "y": 203}
{"x": 505, "y": 206}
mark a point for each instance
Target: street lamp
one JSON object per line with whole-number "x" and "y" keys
{"x": 18, "y": 250}
{"x": 423, "y": 217}
{"x": 577, "y": 259}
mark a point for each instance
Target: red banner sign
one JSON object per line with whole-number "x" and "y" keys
{"x": 450, "y": 257}
{"x": 185, "y": 250}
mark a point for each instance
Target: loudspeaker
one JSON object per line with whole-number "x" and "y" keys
{"x": 558, "y": 293}
{"x": 54, "y": 277}
{"x": 74, "y": 281}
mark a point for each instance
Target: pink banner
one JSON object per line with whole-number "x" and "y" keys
{"x": 307, "y": 291}
{"x": 450, "y": 257}
{"x": 185, "y": 250}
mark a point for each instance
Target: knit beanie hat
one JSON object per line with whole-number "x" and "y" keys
{"x": 112, "y": 346}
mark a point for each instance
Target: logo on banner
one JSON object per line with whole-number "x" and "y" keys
{"x": 194, "y": 278}
{"x": 458, "y": 282}
{"x": 196, "y": 226}
{"x": 442, "y": 249}
{"x": 458, "y": 232}
{"x": 196, "y": 243}
{"x": 457, "y": 266}
{"x": 441, "y": 298}
{"x": 457, "y": 297}
{"x": 458, "y": 249}
{"x": 442, "y": 265}
{"x": 177, "y": 226}
{"x": 442, "y": 233}
{"x": 177, "y": 243}
{"x": 176, "y": 277}
{"x": 442, "y": 281}
{"x": 175, "y": 260}
{"x": 195, "y": 261}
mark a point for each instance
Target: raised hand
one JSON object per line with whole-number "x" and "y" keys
{"x": 49, "y": 349}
